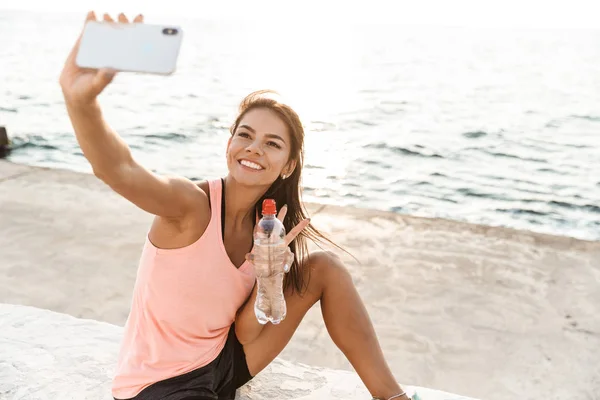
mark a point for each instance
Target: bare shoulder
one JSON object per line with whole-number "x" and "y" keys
{"x": 202, "y": 210}
{"x": 204, "y": 186}
{"x": 171, "y": 233}
{"x": 197, "y": 193}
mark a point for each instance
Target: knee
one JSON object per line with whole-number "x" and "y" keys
{"x": 326, "y": 266}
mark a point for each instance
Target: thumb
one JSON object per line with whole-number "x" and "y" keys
{"x": 103, "y": 77}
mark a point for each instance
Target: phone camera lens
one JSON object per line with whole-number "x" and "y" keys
{"x": 169, "y": 31}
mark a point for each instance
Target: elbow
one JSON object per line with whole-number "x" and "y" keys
{"x": 112, "y": 176}
{"x": 107, "y": 176}
{"x": 243, "y": 341}
{"x": 99, "y": 173}
{"x": 246, "y": 334}
{"x": 244, "y": 338}
{"x": 113, "y": 170}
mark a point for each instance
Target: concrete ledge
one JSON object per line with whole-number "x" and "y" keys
{"x": 47, "y": 355}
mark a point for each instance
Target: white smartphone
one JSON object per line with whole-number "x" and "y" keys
{"x": 133, "y": 47}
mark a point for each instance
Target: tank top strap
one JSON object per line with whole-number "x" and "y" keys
{"x": 215, "y": 200}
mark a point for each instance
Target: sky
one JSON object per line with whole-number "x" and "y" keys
{"x": 464, "y": 13}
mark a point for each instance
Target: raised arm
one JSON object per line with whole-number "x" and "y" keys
{"x": 109, "y": 155}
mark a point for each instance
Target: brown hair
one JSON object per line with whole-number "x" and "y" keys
{"x": 287, "y": 191}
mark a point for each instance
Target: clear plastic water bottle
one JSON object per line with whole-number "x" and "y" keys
{"x": 271, "y": 261}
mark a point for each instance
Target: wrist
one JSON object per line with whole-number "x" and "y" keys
{"x": 83, "y": 105}
{"x": 399, "y": 396}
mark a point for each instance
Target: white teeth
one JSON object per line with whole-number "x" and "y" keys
{"x": 250, "y": 164}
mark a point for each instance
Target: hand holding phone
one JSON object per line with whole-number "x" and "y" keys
{"x": 86, "y": 75}
{"x": 133, "y": 47}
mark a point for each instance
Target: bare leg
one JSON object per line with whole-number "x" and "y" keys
{"x": 346, "y": 320}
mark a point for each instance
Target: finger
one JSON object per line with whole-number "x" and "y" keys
{"x": 108, "y": 18}
{"x": 91, "y": 16}
{"x": 296, "y": 231}
{"x": 282, "y": 213}
{"x": 123, "y": 19}
{"x": 139, "y": 19}
{"x": 289, "y": 260}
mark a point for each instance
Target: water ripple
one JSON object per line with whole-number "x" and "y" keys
{"x": 519, "y": 211}
{"x": 170, "y": 136}
{"x": 551, "y": 170}
{"x": 18, "y": 144}
{"x": 507, "y": 155}
{"x": 420, "y": 150}
{"x": 475, "y": 193}
{"x": 474, "y": 134}
{"x": 592, "y": 118}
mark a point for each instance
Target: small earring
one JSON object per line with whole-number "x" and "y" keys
{"x": 283, "y": 176}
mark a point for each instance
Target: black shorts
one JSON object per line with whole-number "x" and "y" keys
{"x": 215, "y": 381}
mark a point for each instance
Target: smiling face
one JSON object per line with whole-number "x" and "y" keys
{"x": 259, "y": 149}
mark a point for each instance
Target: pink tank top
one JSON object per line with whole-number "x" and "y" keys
{"x": 184, "y": 302}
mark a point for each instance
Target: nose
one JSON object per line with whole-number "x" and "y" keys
{"x": 254, "y": 148}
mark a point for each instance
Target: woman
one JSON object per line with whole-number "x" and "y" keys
{"x": 192, "y": 332}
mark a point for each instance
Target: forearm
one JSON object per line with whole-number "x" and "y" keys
{"x": 105, "y": 150}
{"x": 247, "y": 327}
